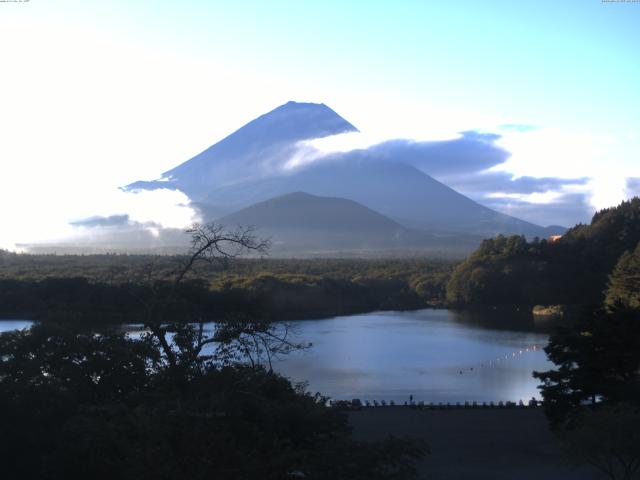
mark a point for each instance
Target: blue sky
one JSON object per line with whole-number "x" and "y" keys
{"x": 97, "y": 94}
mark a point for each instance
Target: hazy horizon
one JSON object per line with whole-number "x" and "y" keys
{"x": 100, "y": 95}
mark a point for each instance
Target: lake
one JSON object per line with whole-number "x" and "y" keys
{"x": 434, "y": 355}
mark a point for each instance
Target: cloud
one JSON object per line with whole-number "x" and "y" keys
{"x": 633, "y": 187}
{"x": 474, "y": 165}
{"x": 467, "y": 164}
{"x": 517, "y": 127}
{"x": 57, "y": 212}
{"x": 115, "y": 233}
{"x": 99, "y": 221}
{"x": 472, "y": 152}
{"x": 491, "y": 182}
{"x": 564, "y": 209}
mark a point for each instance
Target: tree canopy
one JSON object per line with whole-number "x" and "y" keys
{"x": 598, "y": 363}
{"x": 572, "y": 270}
{"x": 624, "y": 282}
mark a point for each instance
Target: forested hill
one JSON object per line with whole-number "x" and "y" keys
{"x": 573, "y": 270}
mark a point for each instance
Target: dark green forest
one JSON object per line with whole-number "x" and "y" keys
{"x": 573, "y": 270}
{"x": 113, "y": 288}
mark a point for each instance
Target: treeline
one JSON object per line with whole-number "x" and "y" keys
{"x": 119, "y": 288}
{"x": 574, "y": 270}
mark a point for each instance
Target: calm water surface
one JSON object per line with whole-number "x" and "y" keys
{"x": 434, "y": 355}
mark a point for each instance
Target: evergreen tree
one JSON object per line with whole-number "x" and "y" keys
{"x": 598, "y": 363}
{"x": 624, "y": 282}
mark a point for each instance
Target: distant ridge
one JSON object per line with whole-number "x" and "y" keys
{"x": 399, "y": 191}
{"x": 305, "y": 211}
{"x": 300, "y": 222}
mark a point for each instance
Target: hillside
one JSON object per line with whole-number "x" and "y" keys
{"x": 399, "y": 191}
{"x": 572, "y": 270}
{"x": 305, "y": 211}
{"x": 298, "y": 222}
{"x": 252, "y": 151}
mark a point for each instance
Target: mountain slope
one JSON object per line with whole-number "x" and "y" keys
{"x": 252, "y": 151}
{"x": 399, "y": 191}
{"x": 301, "y": 210}
{"x": 299, "y": 222}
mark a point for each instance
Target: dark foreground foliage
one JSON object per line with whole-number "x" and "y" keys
{"x": 592, "y": 398}
{"x": 77, "y": 405}
{"x": 598, "y": 364}
{"x": 607, "y": 438}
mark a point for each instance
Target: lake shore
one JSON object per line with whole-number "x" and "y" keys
{"x": 478, "y": 444}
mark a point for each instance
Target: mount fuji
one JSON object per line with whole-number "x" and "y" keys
{"x": 253, "y": 165}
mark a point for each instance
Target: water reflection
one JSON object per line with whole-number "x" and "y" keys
{"x": 518, "y": 320}
{"x": 434, "y": 355}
